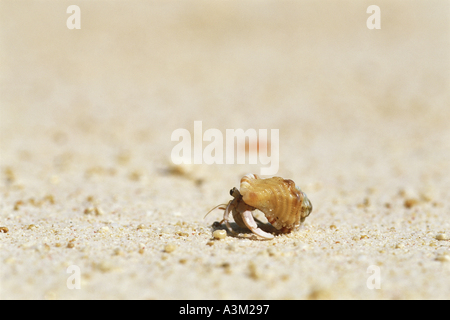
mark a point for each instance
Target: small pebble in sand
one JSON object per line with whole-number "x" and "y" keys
{"x": 254, "y": 271}
{"x": 141, "y": 248}
{"x": 104, "y": 266}
{"x": 123, "y": 157}
{"x": 94, "y": 210}
{"x": 9, "y": 175}
{"x": 443, "y": 257}
{"x": 186, "y": 170}
{"x": 135, "y": 175}
{"x": 70, "y": 245}
{"x": 272, "y": 252}
{"x": 170, "y": 247}
{"x": 220, "y": 234}
{"x": 103, "y": 229}
{"x": 31, "y": 227}
{"x": 118, "y": 252}
{"x": 4, "y": 229}
{"x": 409, "y": 203}
{"x": 226, "y": 267}
{"x": 441, "y": 236}
{"x": 89, "y": 210}
{"x": 141, "y": 226}
{"x": 18, "y": 204}
{"x": 49, "y": 198}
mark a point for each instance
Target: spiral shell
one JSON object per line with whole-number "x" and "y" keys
{"x": 282, "y": 202}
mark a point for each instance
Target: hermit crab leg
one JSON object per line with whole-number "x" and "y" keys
{"x": 226, "y": 216}
{"x": 249, "y": 221}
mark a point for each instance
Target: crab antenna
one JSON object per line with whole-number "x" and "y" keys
{"x": 218, "y": 206}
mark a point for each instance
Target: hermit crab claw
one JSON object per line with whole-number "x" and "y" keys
{"x": 249, "y": 221}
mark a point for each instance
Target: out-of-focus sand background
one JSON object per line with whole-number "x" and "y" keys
{"x": 86, "y": 118}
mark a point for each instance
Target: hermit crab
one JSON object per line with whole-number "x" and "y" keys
{"x": 282, "y": 202}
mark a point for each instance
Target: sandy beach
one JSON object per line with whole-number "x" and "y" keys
{"x": 92, "y": 205}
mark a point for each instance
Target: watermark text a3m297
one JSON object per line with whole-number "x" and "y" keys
{"x": 213, "y": 153}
